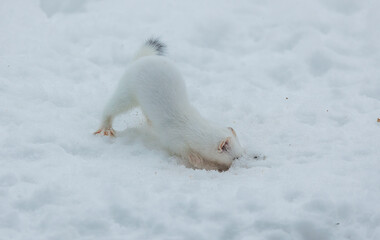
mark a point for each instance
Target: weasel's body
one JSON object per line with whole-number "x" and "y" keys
{"x": 153, "y": 83}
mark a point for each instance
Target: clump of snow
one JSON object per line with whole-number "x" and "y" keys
{"x": 51, "y": 7}
{"x": 298, "y": 80}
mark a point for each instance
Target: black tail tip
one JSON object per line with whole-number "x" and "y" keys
{"x": 159, "y": 46}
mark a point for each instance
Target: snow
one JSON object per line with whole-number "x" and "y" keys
{"x": 298, "y": 80}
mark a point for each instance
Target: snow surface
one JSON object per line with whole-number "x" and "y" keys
{"x": 298, "y": 80}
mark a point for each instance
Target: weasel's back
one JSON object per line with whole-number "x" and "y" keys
{"x": 159, "y": 87}
{"x": 156, "y": 84}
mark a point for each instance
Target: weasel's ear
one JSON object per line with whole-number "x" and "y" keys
{"x": 195, "y": 160}
{"x": 224, "y": 145}
{"x": 232, "y": 130}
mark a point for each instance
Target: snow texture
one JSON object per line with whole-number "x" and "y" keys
{"x": 298, "y": 80}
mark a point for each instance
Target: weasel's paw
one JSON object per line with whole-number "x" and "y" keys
{"x": 106, "y": 132}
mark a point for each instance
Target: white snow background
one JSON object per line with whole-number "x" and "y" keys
{"x": 299, "y": 80}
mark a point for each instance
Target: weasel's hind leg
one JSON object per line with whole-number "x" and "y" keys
{"x": 106, "y": 132}
{"x": 119, "y": 103}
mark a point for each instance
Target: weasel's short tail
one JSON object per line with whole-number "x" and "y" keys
{"x": 152, "y": 46}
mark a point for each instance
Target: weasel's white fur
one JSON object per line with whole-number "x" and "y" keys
{"x": 154, "y": 83}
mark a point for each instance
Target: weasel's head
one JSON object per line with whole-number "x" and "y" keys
{"x": 220, "y": 154}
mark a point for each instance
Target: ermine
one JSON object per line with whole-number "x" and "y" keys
{"x": 153, "y": 83}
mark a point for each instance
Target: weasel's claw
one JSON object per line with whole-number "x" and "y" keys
{"x": 99, "y": 131}
{"x": 106, "y": 132}
{"x": 112, "y": 132}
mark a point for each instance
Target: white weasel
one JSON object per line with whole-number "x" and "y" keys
{"x": 154, "y": 83}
